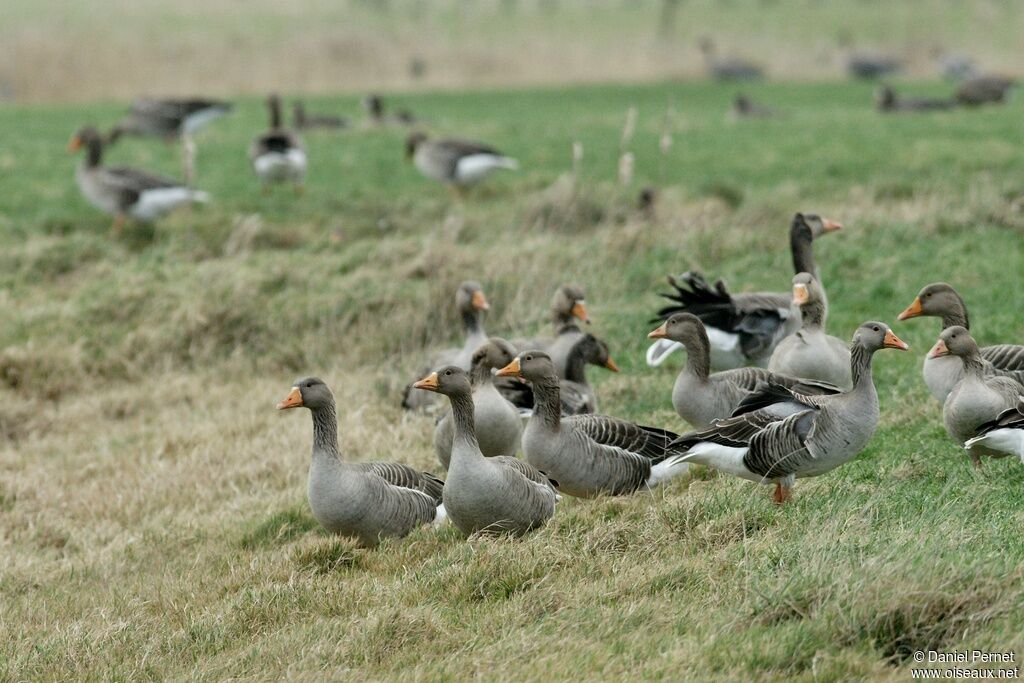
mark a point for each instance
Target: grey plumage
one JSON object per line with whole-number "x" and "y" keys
{"x": 984, "y": 90}
{"x": 278, "y": 154}
{"x": 168, "y": 118}
{"x": 454, "y": 161}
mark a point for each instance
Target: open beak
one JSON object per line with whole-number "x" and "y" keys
{"x": 75, "y": 144}
{"x": 610, "y": 364}
{"x": 891, "y": 341}
{"x": 429, "y": 382}
{"x": 800, "y": 295}
{"x": 939, "y": 350}
{"x": 510, "y": 370}
{"x": 579, "y": 309}
{"x": 913, "y": 310}
{"x": 659, "y": 333}
{"x": 294, "y": 400}
{"x": 831, "y": 226}
{"x": 480, "y": 301}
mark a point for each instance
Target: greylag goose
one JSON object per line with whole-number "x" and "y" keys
{"x": 568, "y": 310}
{"x": 978, "y": 398}
{"x": 806, "y": 436}
{"x": 811, "y": 353}
{"x": 700, "y": 397}
{"x": 743, "y": 328}
{"x": 366, "y": 501}
{"x": 588, "y": 455}
{"x": 887, "y": 102}
{"x": 456, "y": 163}
{"x": 126, "y": 192}
{"x": 984, "y": 90}
{"x": 277, "y": 155}
{"x": 490, "y": 495}
{"x": 870, "y": 66}
{"x": 496, "y": 421}
{"x": 941, "y": 374}
{"x": 728, "y": 68}
{"x": 374, "y": 106}
{"x": 471, "y": 304}
{"x": 745, "y": 108}
{"x": 303, "y": 120}
{"x": 1003, "y": 435}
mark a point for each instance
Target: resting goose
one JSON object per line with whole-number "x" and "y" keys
{"x": 126, "y": 192}
{"x": 588, "y": 455}
{"x": 700, "y": 397}
{"x": 366, "y": 501}
{"x": 984, "y": 90}
{"x": 870, "y": 66}
{"x": 471, "y": 304}
{"x": 496, "y": 421}
{"x": 743, "y": 328}
{"x": 305, "y": 121}
{"x": 810, "y": 353}
{"x": 456, "y": 163}
{"x": 941, "y": 374}
{"x": 568, "y": 310}
{"x": 978, "y": 398}
{"x": 745, "y": 108}
{"x": 374, "y": 106}
{"x": 1003, "y": 435}
{"x": 887, "y": 102}
{"x": 490, "y": 495}
{"x": 277, "y": 155}
{"x": 775, "y": 443}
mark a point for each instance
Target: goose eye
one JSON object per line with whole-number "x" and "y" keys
{"x": 448, "y": 372}
{"x": 529, "y": 358}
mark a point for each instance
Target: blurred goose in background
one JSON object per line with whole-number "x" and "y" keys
{"x": 1003, "y": 435}
{"x": 496, "y": 421}
{"x": 954, "y": 67}
{"x": 454, "y": 162}
{"x": 984, "y": 90}
{"x": 171, "y": 119}
{"x": 126, "y": 192}
{"x": 568, "y": 310}
{"x": 305, "y": 121}
{"x": 887, "y": 101}
{"x": 700, "y": 397}
{"x": 500, "y": 494}
{"x": 811, "y": 353}
{"x": 376, "y": 115}
{"x": 471, "y": 305}
{"x": 941, "y": 373}
{"x": 743, "y": 328}
{"x": 366, "y": 501}
{"x": 871, "y": 65}
{"x": 978, "y": 398}
{"x": 728, "y": 68}
{"x": 745, "y": 108}
{"x": 779, "y": 435}
{"x": 588, "y": 455}
{"x": 277, "y": 155}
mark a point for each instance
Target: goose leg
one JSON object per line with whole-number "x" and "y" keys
{"x": 118, "y": 227}
{"x": 781, "y": 494}
{"x": 188, "y": 148}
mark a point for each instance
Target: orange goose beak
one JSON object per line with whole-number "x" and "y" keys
{"x": 800, "y": 295}
{"x": 480, "y": 301}
{"x": 939, "y": 350}
{"x": 891, "y": 341}
{"x": 831, "y": 226}
{"x": 428, "y": 383}
{"x": 75, "y": 144}
{"x": 659, "y": 333}
{"x": 579, "y": 309}
{"x": 293, "y": 400}
{"x": 511, "y": 370}
{"x": 913, "y": 310}
{"x": 610, "y": 364}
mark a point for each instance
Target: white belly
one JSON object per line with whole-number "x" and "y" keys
{"x": 153, "y": 204}
{"x": 475, "y": 167}
{"x": 279, "y": 167}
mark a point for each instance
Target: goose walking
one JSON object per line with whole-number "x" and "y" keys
{"x": 491, "y": 495}
{"x": 1003, "y": 435}
{"x": 810, "y": 353}
{"x": 365, "y": 501}
{"x": 126, "y": 192}
{"x": 277, "y": 155}
{"x": 942, "y": 373}
{"x": 454, "y": 162}
{"x": 743, "y": 328}
{"x": 496, "y": 421}
{"x": 978, "y": 398}
{"x": 700, "y": 397}
{"x": 589, "y": 455}
{"x": 806, "y": 436}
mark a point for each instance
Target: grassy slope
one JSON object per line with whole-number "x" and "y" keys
{"x": 152, "y": 512}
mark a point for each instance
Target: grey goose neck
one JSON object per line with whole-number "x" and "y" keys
{"x": 93, "y": 152}
{"x": 576, "y": 362}
{"x": 325, "y": 432}
{"x": 472, "y": 321}
{"x": 698, "y": 353}
{"x": 547, "y": 402}
{"x": 860, "y": 368}
{"x": 480, "y": 374}
{"x": 956, "y": 314}
{"x": 801, "y": 242}
{"x": 462, "y": 416}
{"x": 813, "y": 314}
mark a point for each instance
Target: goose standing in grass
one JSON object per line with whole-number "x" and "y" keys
{"x": 589, "y": 455}
{"x": 811, "y": 353}
{"x": 886, "y": 101}
{"x": 978, "y": 398}
{"x": 942, "y": 373}
{"x": 302, "y": 120}
{"x": 126, "y": 192}
{"x": 568, "y": 310}
{"x": 366, "y": 501}
{"x": 700, "y": 397}
{"x": 456, "y": 163}
{"x": 981, "y": 90}
{"x": 491, "y": 495}
{"x": 1003, "y": 435}
{"x": 496, "y": 421}
{"x": 472, "y": 305}
{"x": 804, "y": 436}
{"x": 743, "y": 328}
{"x": 171, "y": 119}
{"x": 277, "y": 155}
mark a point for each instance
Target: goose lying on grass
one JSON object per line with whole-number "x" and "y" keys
{"x": 588, "y": 455}
{"x": 366, "y": 501}
{"x": 277, "y": 155}
{"x": 779, "y": 435}
{"x": 1003, "y": 435}
{"x": 126, "y": 192}
{"x": 701, "y": 397}
{"x": 568, "y": 310}
{"x": 491, "y": 495}
{"x": 454, "y": 162}
{"x": 743, "y": 328}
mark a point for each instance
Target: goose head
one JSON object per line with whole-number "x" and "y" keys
{"x": 873, "y": 336}
{"x": 91, "y": 140}
{"x": 310, "y": 392}
{"x": 469, "y": 298}
{"x": 937, "y": 299}
{"x": 449, "y": 380}
{"x": 595, "y": 352}
{"x": 413, "y": 142}
{"x": 806, "y": 290}
{"x": 496, "y": 353}
{"x": 533, "y": 366}
{"x": 569, "y": 302}
{"x": 954, "y": 341}
{"x": 811, "y": 226}
{"x": 685, "y": 328}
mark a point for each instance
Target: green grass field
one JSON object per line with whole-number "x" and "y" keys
{"x": 153, "y": 522}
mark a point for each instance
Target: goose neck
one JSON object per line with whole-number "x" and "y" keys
{"x": 325, "y": 432}
{"x": 548, "y": 402}
{"x": 463, "y": 419}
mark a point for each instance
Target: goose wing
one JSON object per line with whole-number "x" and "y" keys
{"x": 1005, "y": 356}
{"x": 404, "y": 476}
{"x": 651, "y": 443}
{"x": 525, "y": 469}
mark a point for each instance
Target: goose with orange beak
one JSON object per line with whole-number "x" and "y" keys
{"x": 779, "y": 435}
{"x": 568, "y": 313}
